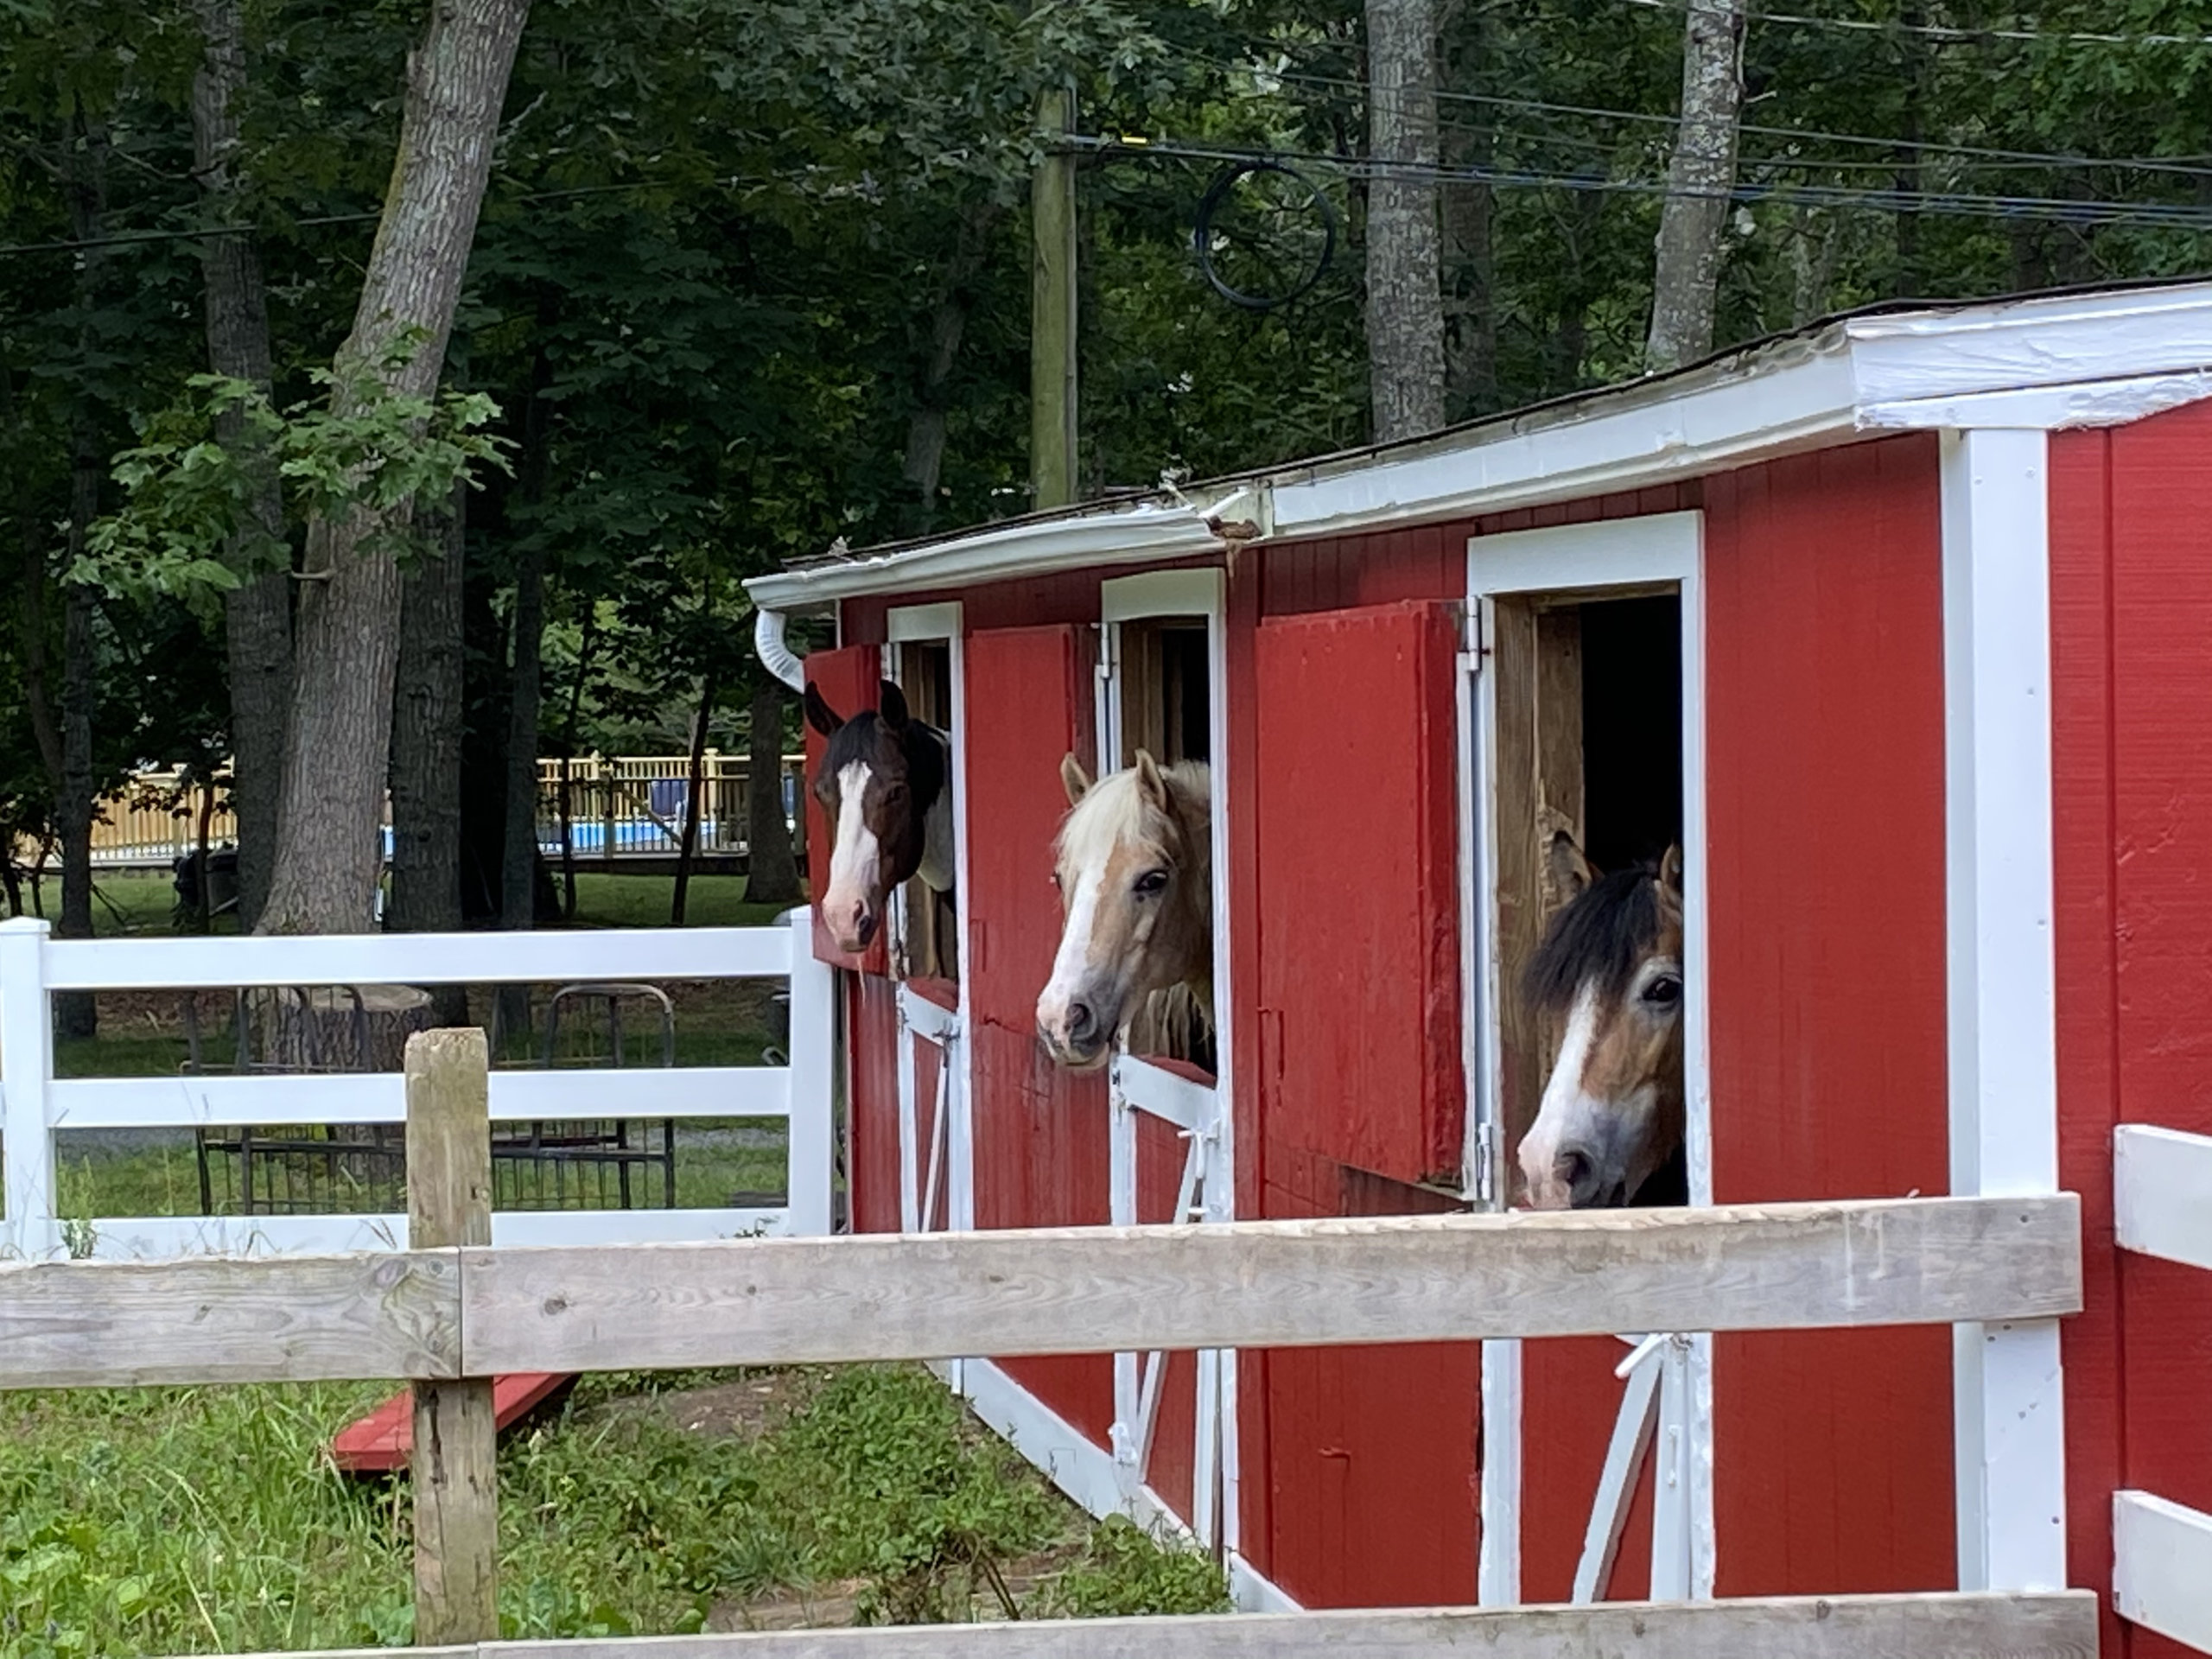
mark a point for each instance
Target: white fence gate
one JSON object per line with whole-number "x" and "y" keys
{"x": 36, "y": 1104}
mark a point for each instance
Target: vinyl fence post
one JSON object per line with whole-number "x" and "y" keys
{"x": 450, "y": 1205}
{"x": 26, "y": 1067}
{"x": 811, "y": 1135}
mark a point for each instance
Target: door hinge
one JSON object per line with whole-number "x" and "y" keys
{"x": 1485, "y": 1168}
{"x": 1472, "y": 646}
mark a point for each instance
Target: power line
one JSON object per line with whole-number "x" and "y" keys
{"x": 2023, "y": 158}
{"x": 2175, "y": 216}
{"x": 1946, "y": 31}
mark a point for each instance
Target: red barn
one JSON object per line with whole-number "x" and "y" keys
{"x": 1903, "y": 624}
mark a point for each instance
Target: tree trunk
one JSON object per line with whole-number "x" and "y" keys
{"x": 567, "y": 756}
{"x": 1469, "y": 279}
{"x": 1911, "y": 180}
{"x": 519, "y": 863}
{"x": 695, "y": 774}
{"x": 771, "y": 867}
{"x": 256, "y": 616}
{"x": 347, "y": 645}
{"x": 1700, "y": 180}
{"x": 924, "y": 465}
{"x": 1405, "y": 311}
{"x": 426, "y": 727}
{"x": 77, "y": 1012}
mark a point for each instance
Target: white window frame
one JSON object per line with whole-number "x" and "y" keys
{"x": 1654, "y": 552}
{"x": 1201, "y": 593}
{"x": 951, "y": 1158}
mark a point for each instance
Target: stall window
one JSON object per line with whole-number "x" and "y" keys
{"x": 1583, "y": 690}
{"x": 922, "y": 660}
{"x": 1160, "y": 655}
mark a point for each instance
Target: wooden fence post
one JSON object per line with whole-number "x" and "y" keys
{"x": 455, "y": 1480}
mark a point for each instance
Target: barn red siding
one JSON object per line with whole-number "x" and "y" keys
{"x": 872, "y": 1095}
{"x": 1039, "y": 1132}
{"x": 2132, "y": 611}
{"x": 849, "y": 680}
{"x": 1825, "y": 823}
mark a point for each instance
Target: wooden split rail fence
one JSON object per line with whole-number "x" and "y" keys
{"x": 450, "y": 1312}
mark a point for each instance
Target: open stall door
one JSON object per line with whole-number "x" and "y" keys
{"x": 1370, "y": 1453}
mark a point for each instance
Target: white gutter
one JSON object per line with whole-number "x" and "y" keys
{"x": 775, "y": 655}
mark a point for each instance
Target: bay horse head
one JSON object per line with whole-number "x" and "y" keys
{"x": 1133, "y": 864}
{"x": 885, "y": 790}
{"x": 1610, "y": 965}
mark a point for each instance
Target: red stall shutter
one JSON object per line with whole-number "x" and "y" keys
{"x": 849, "y": 680}
{"x": 1039, "y": 1132}
{"x": 1356, "y": 792}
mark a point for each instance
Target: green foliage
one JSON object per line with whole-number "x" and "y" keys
{"x": 1124, "y": 1572}
{"x": 359, "y": 451}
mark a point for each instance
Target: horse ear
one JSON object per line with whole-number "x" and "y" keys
{"x": 892, "y": 707}
{"x": 1073, "y": 779}
{"x": 1150, "y": 785}
{"x": 819, "y": 714}
{"x": 1568, "y": 872}
{"x": 1670, "y": 879}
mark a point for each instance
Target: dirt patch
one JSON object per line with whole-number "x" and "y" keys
{"x": 744, "y": 1409}
{"x": 827, "y": 1606}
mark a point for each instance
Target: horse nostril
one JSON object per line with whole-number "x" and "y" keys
{"x": 1573, "y": 1170}
{"x": 864, "y": 928}
{"x": 1083, "y": 1022}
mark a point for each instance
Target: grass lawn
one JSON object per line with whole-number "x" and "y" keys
{"x": 172, "y": 1521}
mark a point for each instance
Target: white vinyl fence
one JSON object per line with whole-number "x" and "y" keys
{"x": 36, "y": 1104}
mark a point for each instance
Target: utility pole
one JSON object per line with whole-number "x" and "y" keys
{"x": 1052, "y": 312}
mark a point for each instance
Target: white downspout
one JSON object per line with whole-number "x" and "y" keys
{"x": 775, "y": 655}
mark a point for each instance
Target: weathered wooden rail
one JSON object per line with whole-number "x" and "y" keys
{"x": 450, "y": 1315}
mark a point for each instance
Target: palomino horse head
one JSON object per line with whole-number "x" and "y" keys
{"x": 1135, "y": 871}
{"x": 883, "y": 786}
{"x": 1610, "y": 964}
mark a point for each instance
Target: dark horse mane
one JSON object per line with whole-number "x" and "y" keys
{"x": 1610, "y": 927}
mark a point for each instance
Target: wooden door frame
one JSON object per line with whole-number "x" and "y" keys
{"x": 934, "y": 624}
{"x": 1658, "y": 552}
{"x": 1200, "y": 591}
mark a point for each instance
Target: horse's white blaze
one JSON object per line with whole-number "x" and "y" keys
{"x": 1071, "y": 965}
{"x": 854, "y": 858}
{"x": 1569, "y": 1116}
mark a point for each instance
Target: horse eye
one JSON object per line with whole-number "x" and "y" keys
{"x": 1151, "y": 884}
{"x": 1663, "y": 992}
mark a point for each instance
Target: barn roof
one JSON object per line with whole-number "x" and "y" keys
{"x": 2078, "y": 357}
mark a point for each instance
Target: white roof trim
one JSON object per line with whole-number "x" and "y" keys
{"x": 1142, "y": 535}
{"x": 2047, "y": 408}
{"x": 2080, "y": 359}
{"x": 1644, "y": 444}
